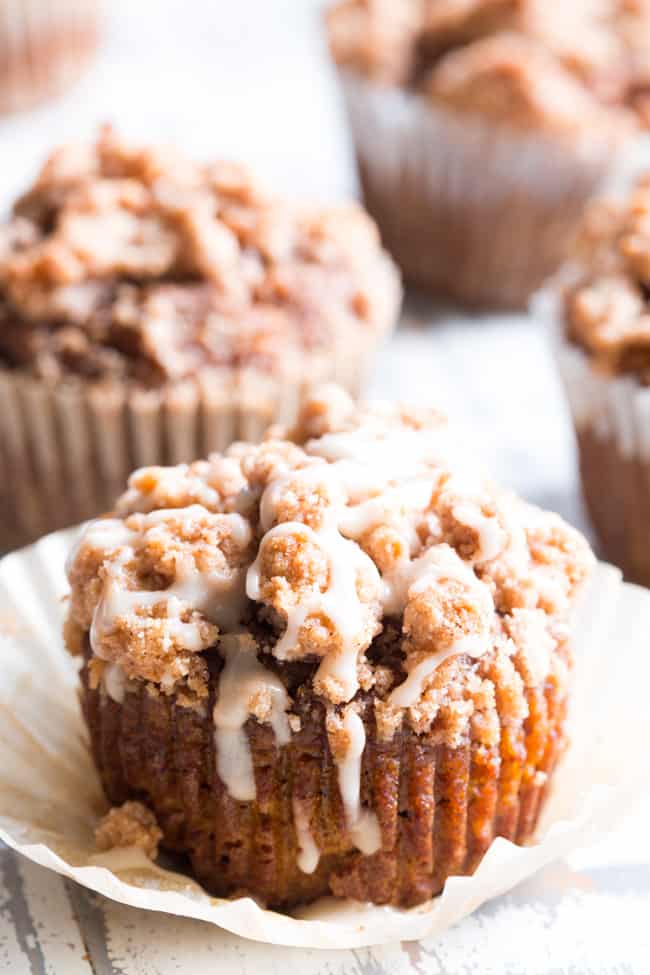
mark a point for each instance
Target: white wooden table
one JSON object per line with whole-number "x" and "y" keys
{"x": 593, "y": 922}
{"x": 250, "y": 79}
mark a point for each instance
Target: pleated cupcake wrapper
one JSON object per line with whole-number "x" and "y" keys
{"x": 66, "y": 451}
{"x": 50, "y": 797}
{"x": 611, "y": 415}
{"x": 44, "y": 46}
{"x": 468, "y": 207}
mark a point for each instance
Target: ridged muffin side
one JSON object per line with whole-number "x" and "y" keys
{"x": 439, "y": 803}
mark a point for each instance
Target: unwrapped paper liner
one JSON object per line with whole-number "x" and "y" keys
{"x": 469, "y": 207}
{"x": 50, "y": 797}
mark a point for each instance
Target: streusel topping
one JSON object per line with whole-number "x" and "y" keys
{"x": 135, "y": 263}
{"x": 592, "y": 49}
{"x": 130, "y": 825}
{"x": 607, "y": 305}
{"x": 366, "y": 520}
{"x": 512, "y": 77}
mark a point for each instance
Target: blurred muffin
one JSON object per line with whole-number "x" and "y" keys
{"x": 152, "y": 310}
{"x": 335, "y": 663}
{"x": 45, "y": 45}
{"x": 633, "y": 26}
{"x": 481, "y": 128}
{"x": 602, "y": 322}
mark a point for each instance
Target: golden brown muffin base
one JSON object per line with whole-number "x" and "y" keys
{"x": 439, "y": 807}
{"x": 616, "y": 489}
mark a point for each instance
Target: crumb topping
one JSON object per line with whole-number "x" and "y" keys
{"x": 137, "y": 264}
{"x": 128, "y": 825}
{"x": 520, "y": 61}
{"x": 512, "y": 77}
{"x": 362, "y": 527}
{"x": 607, "y": 303}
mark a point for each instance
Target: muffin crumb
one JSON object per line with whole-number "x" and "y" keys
{"x": 131, "y": 824}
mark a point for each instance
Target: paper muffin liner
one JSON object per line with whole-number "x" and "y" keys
{"x": 611, "y": 416}
{"x": 44, "y": 47}
{"x": 469, "y": 208}
{"x": 50, "y": 797}
{"x": 66, "y": 451}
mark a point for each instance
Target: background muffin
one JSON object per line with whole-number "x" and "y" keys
{"x": 604, "y": 354}
{"x": 153, "y": 310}
{"x": 44, "y": 47}
{"x": 480, "y": 130}
{"x": 336, "y": 663}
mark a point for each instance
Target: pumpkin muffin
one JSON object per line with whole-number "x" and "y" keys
{"x": 336, "y": 662}
{"x": 481, "y": 128}
{"x": 153, "y": 310}
{"x": 602, "y": 323}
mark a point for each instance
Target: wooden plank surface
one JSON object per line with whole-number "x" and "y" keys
{"x": 593, "y": 922}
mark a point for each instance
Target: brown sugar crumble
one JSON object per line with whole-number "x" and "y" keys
{"x": 607, "y": 302}
{"x": 524, "y": 62}
{"x": 135, "y": 264}
{"x": 128, "y": 825}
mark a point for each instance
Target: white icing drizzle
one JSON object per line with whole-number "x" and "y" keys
{"x": 243, "y": 683}
{"x": 362, "y": 824}
{"x": 492, "y": 537}
{"x": 339, "y": 602}
{"x": 374, "y": 450}
{"x": 114, "y": 680}
{"x": 171, "y": 482}
{"x": 219, "y": 596}
{"x": 308, "y": 852}
{"x": 409, "y": 498}
{"x": 440, "y": 563}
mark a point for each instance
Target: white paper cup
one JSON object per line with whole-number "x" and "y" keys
{"x": 470, "y": 208}
{"x": 66, "y": 451}
{"x": 44, "y": 47}
{"x": 50, "y": 799}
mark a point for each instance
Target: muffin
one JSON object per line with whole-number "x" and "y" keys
{"x": 153, "y": 310}
{"x": 633, "y": 27}
{"x": 602, "y": 322}
{"x": 45, "y": 45}
{"x": 480, "y": 130}
{"x": 336, "y": 662}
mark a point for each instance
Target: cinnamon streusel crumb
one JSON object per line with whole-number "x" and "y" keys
{"x": 134, "y": 264}
{"x": 130, "y": 824}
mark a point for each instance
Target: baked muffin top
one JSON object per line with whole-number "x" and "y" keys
{"x": 560, "y": 64}
{"x": 129, "y": 263}
{"x": 607, "y": 303}
{"x": 360, "y": 548}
